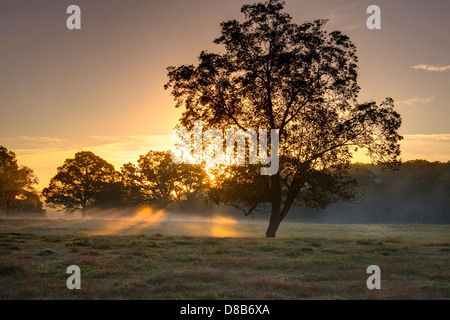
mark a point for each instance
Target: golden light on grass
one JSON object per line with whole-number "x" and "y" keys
{"x": 223, "y": 220}
{"x": 223, "y": 227}
{"x": 216, "y": 226}
{"x": 149, "y": 216}
{"x": 144, "y": 218}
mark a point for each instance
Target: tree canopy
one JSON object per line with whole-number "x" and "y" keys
{"x": 80, "y": 182}
{"x": 302, "y": 80}
{"x": 158, "y": 182}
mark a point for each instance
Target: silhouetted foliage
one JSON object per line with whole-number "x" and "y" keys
{"x": 112, "y": 196}
{"x": 80, "y": 183}
{"x": 301, "y": 80}
{"x": 17, "y": 195}
{"x": 131, "y": 182}
{"x": 158, "y": 182}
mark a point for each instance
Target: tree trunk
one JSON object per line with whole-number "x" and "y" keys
{"x": 277, "y": 214}
{"x": 274, "y": 223}
{"x": 275, "y": 217}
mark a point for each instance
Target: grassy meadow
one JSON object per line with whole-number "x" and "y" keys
{"x": 221, "y": 259}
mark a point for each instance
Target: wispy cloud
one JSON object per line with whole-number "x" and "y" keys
{"x": 347, "y": 17}
{"x": 129, "y": 148}
{"x": 27, "y": 144}
{"x": 431, "y": 68}
{"x": 111, "y": 138}
{"x": 42, "y": 139}
{"x": 416, "y": 100}
{"x": 444, "y": 138}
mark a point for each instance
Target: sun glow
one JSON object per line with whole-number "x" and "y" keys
{"x": 145, "y": 217}
{"x": 223, "y": 227}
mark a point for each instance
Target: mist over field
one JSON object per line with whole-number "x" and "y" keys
{"x": 219, "y": 226}
{"x": 418, "y": 193}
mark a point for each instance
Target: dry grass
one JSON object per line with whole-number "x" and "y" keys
{"x": 33, "y": 266}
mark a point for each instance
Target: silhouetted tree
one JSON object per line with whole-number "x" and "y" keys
{"x": 17, "y": 193}
{"x": 80, "y": 182}
{"x": 157, "y": 181}
{"x": 301, "y": 80}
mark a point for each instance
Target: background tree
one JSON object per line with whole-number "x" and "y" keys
{"x": 80, "y": 182}
{"x": 301, "y": 80}
{"x": 131, "y": 181}
{"x": 29, "y": 205}
{"x": 158, "y": 182}
{"x": 17, "y": 193}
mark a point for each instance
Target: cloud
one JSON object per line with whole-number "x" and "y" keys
{"x": 28, "y": 144}
{"x": 416, "y": 100}
{"x": 431, "y": 138}
{"x": 431, "y": 68}
{"x": 347, "y": 17}
{"x": 42, "y": 139}
{"x": 129, "y": 148}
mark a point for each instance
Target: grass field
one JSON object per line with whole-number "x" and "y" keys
{"x": 183, "y": 260}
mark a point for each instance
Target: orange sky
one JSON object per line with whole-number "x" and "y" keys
{"x": 101, "y": 88}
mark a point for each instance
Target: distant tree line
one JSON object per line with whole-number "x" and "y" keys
{"x": 419, "y": 192}
{"x": 89, "y": 184}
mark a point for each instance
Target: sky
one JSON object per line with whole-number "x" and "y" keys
{"x": 100, "y": 88}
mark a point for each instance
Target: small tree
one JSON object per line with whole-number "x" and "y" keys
{"x": 80, "y": 182}
{"x": 17, "y": 193}
{"x": 301, "y": 80}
